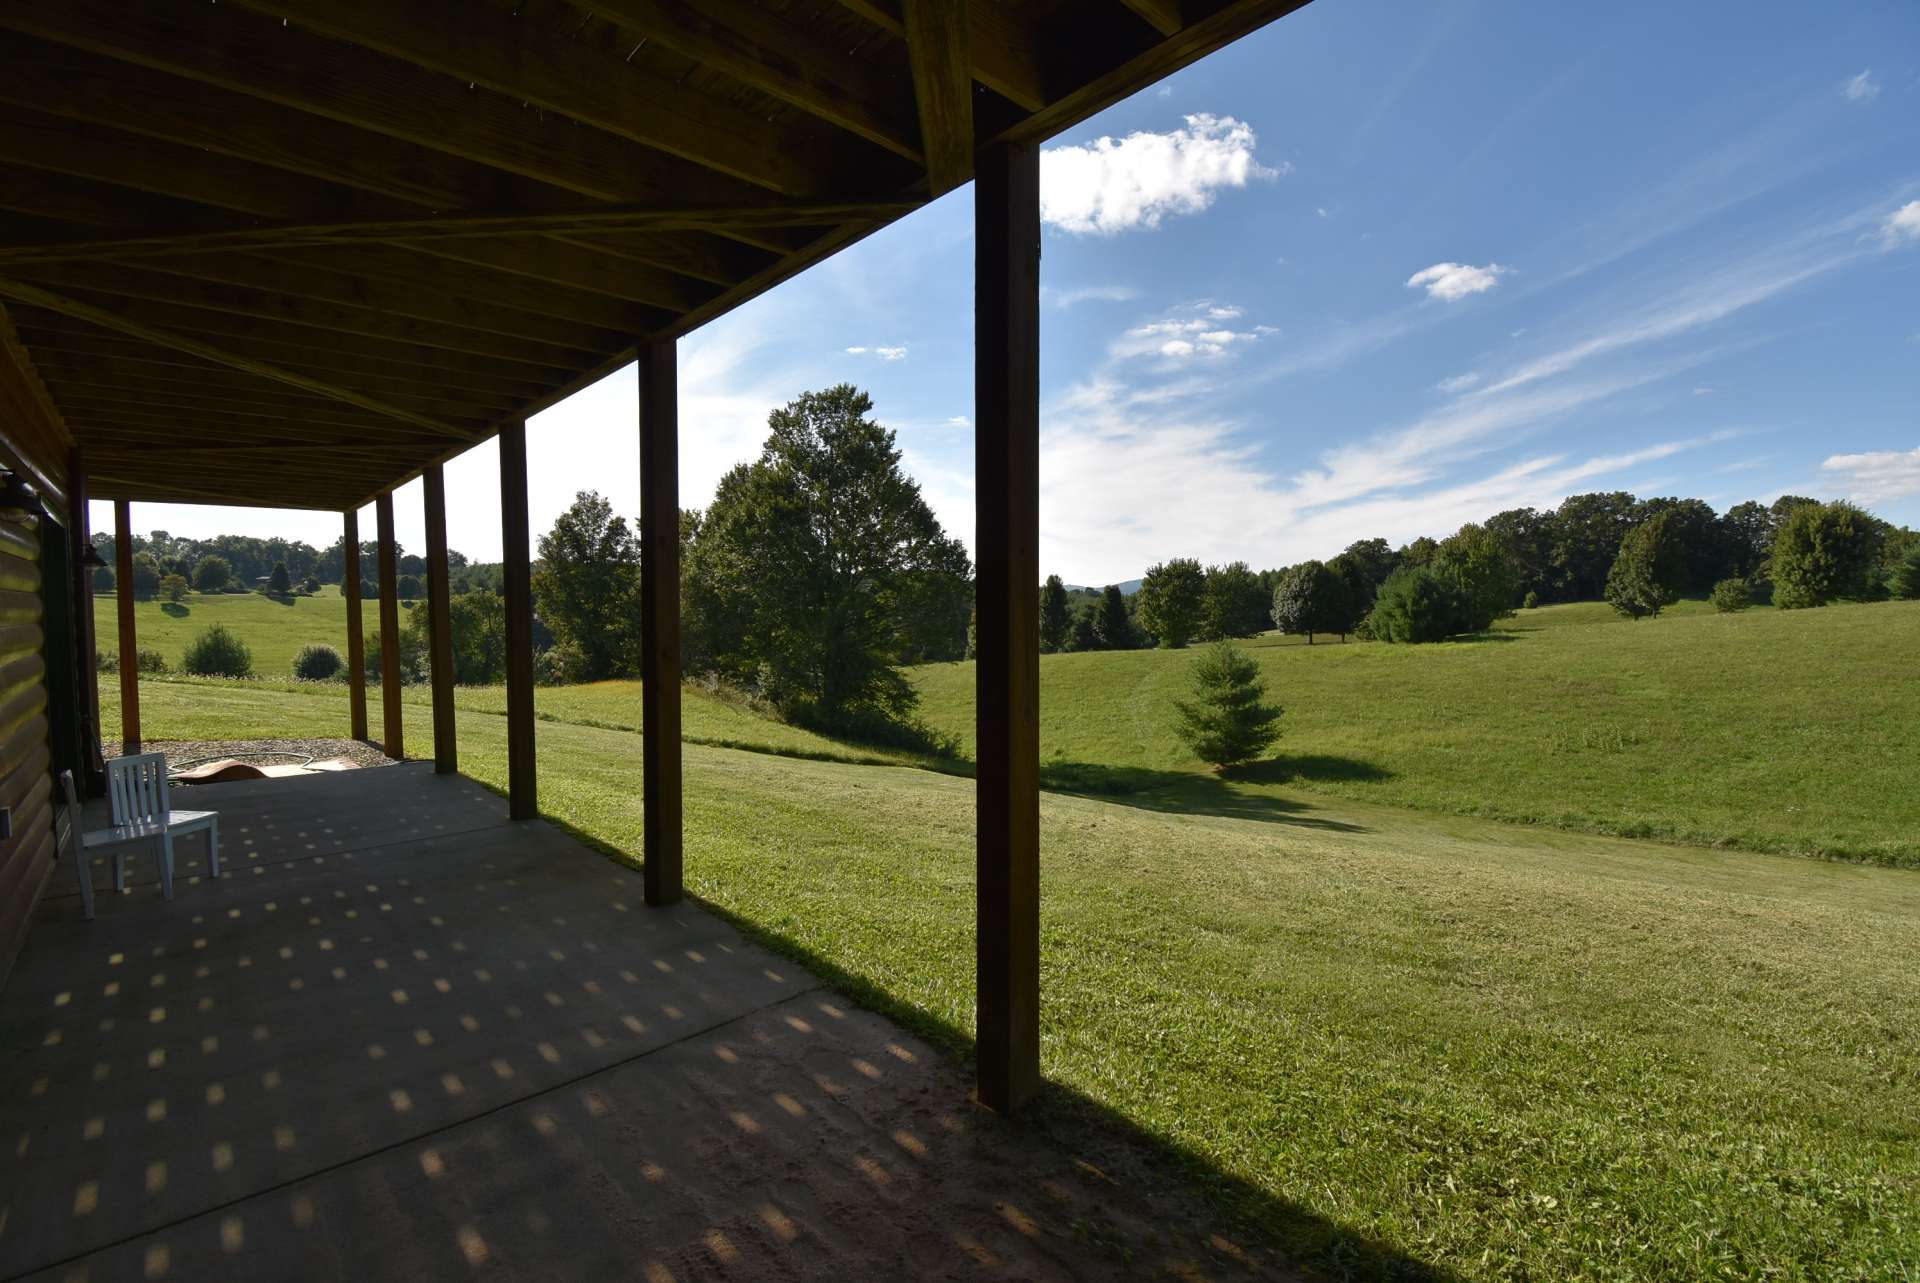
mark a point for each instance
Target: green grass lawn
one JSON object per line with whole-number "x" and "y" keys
{"x": 1403, "y": 1044}
{"x": 274, "y": 628}
{"x": 1770, "y": 730}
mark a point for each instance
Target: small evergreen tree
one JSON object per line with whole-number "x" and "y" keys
{"x": 280, "y": 581}
{"x": 1086, "y": 628}
{"x": 1113, "y": 626}
{"x": 1171, "y": 599}
{"x": 1056, "y": 616}
{"x": 1649, "y": 570}
{"x": 212, "y": 574}
{"x": 1228, "y": 720}
{"x": 1730, "y": 595}
{"x": 316, "y": 663}
{"x": 1415, "y": 604}
{"x": 1906, "y": 576}
{"x": 218, "y": 653}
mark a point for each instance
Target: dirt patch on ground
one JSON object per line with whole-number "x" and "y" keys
{"x": 290, "y": 752}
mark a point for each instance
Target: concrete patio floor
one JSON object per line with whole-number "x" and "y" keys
{"x": 406, "y": 1038}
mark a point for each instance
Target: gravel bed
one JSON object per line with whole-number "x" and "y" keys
{"x": 262, "y": 752}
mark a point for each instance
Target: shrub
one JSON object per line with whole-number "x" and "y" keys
{"x": 149, "y": 660}
{"x": 309, "y": 585}
{"x": 560, "y": 664}
{"x": 280, "y": 581}
{"x": 1415, "y": 604}
{"x": 408, "y": 586}
{"x": 213, "y": 573}
{"x": 174, "y": 587}
{"x": 218, "y": 653}
{"x": 1531, "y": 601}
{"x": 1906, "y": 577}
{"x": 106, "y": 661}
{"x": 1228, "y": 720}
{"x": 1730, "y": 595}
{"x": 1824, "y": 551}
{"x": 317, "y": 664}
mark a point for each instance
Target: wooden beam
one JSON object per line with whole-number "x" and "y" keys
{"x": 660, "y": 621}
{"x": 356, "y": 637}
{"x": 1007, "y": 566}
{"x": 80, "y": 527}
{"x": 1005, "y": 53}
{"x": 393, "y": 725}
{"x": 446, "y": 756}
{"x": 275, "y": 62}
{"x": 129, "y": 636}
{"x": 1162, "y": 15}
{"x": 425, "y": 228}
{"x": 80, "y": 311}
{"x": 940, "y": 53}
{"x": 776, "y": 57}
{"x": 516, "y": 573}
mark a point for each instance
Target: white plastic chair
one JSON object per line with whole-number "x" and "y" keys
{"x": 137, "y": 791}
{"x": 72, "y": 838}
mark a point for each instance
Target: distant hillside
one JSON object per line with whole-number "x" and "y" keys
{"x": 1128, "y": 587}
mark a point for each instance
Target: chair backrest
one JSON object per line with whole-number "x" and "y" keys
{"x": 72, "y": 796}
{"x": 137, "y": 788}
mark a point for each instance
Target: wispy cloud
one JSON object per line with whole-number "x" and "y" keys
{"x": 1861, "y": 88}
{"x": 1874, "y": 477}
{"x": 881, "y": 351}
{"x": 1087, "y": 294}
{"x": 1903, "y": 224}
{"x": 1458, "y": 383}
{"x": 1118, "y": 185}
{"x": 1450, "y": 282}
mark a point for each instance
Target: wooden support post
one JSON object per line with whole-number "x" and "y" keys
{"x": 517, "y": 579}
{"x": 660, "y": 619}
{"x": 1006, "y": 551}
{"x": 129, "y": 642}
{"x": 393, "y": 732}
{"x": 356, "y": 634}
{"x": 80, "y": 529}
{"x": 446, "y": 757}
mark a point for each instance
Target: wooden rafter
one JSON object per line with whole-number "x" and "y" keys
{"x": 1162, "y": 15}
{"x": 938, "y": 49}
{"x": 1003, "y": 52}
{"x": 23, "y": 292}
{"x": 426, "y": 228}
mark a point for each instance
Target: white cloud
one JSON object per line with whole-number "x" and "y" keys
{"x": 959, "y": 421}
{"x": 1904, "y": 223}
{"x": 883, "y": 352}
{"x": 1861, "y": 88}
{"x": 1087, "y": 294}
{"x": 1877, "y": 476}
{"x": 1450, "y": 282}
{"x": 1197, "y": 329}
{"x": 1118, "y": 185}
{"x": 1703, "y": 391}
{"x": 1458, "y": 383}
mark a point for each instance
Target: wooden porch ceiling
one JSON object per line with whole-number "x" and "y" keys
{"x": 290, "y": 252}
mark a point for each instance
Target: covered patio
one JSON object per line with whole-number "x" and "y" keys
{"x": 404, "y": 1036}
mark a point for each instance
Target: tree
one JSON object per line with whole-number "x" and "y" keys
{"x": 1415, "y": 604}
{"x": 146, "y": 574}
{"x": 280, "y": 581}
{"x": 1587, "y": 530}
{"x": 1748, "y": 531}
{"x": 1731, "y": 595}
{"x": 1233, "y": 604}
{"x": 213, "y": 573}
{"x": 1086, "y": 628}
{"x": 218, "y": 653}
{"x": 1172, "y": 596}
{"x": 810, "y": 557}
{"x": 587, "y": 587}
{"x": 1112, "y": 625}
{"x": 1705, "y": 546}
{"x": 1650, "y": 569}
{"x": 1228, "y": 720}
{"x": 1906, "y": 576}
{"x": 1526, "y": 534}
{"x": 1823, "y": 552}
{"x": 1483, "y": 576}
{"x": 1310, "y": 598}
{"x": 173, "y": 587}
{"x": 407, "y": 587}
{"x": 103, "y": 580}
{"x": 1365, "y": 565}
{"x": 1056, "y": 616}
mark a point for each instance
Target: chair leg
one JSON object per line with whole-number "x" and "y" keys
{"x": 86, "y": 878}
{"x": 166, "y": 866}
{"x": 120, "y": 871}
{"x": 213, "y": 845}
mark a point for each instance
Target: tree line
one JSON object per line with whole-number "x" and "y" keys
{"x": 238, "y": 563}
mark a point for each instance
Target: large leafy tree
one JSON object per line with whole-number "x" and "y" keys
{"x": 1172, "y": 599}
{"x": 212, "y": 573}
{"x": 1587, "y": 530}
{"x": 800, "y": 574}
{"x": 587, "y": 586}
{"x": 1366, "y": 563}
{"x": 1056, "y": 616}
{"x": 1234, "y": 604}
{"x": 1825, "y": 551}
{"x": 1706, "y": 548}
{"x": 1648, "y": 574}
{"x": 1112, "y": 624}
{"x": 1311, "y": 598}
{"x": 1483, "y": 576}
{"x": 1527, "y": 536}
{"x": 1748, "y": 530}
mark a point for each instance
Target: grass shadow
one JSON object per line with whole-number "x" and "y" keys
{"x": 1248, "y": 1224}
{"x": 175, "y": 609}
{"x": 1502, "y": 635}
{"x": 1206, "y": 793}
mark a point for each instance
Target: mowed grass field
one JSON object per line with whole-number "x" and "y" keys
{"x": 274, "y": 629}
{"x": 1401, "y": 1044}
{"x": 1789, "y": 731}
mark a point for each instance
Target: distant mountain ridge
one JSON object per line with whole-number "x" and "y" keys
{"x": 1128, "y": 587}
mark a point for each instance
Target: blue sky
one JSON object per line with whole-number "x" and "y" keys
{"x": 1377, "y": 270}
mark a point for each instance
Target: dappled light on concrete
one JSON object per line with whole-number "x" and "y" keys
{"x": 406, "y": 1038}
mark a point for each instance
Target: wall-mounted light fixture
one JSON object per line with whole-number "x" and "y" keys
{"x": 19, "y": 500}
